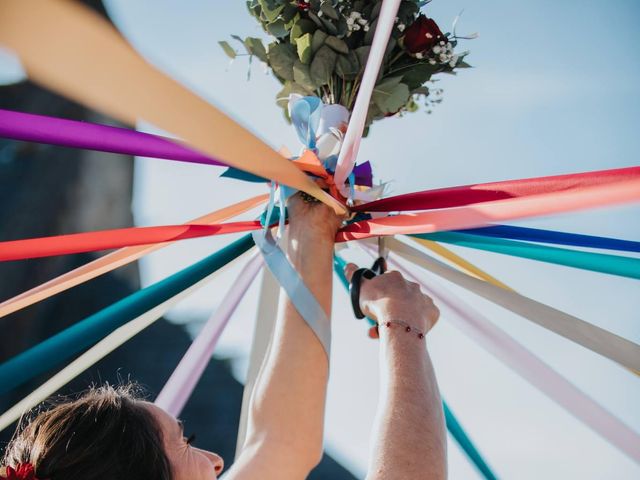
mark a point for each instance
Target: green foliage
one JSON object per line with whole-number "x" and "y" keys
{"x": 231, "y": 53}
{"x": 303, "y": 45}
{"x": 322, "y": 50}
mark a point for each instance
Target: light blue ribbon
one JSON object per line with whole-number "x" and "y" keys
{"x": 299, "y": 295}
{"x": 305, "y": 117}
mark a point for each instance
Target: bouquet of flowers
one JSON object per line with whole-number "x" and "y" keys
{"x": 320, "y": 48}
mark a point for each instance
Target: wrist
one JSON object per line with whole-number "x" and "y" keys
{"x": 316, "y": 234}
{"x": 407, "y": 316}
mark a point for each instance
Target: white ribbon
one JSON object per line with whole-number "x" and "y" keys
{"x": 349, "y": 152}
{"x": 514, "y": 355}
{"x": 589, "y": 336}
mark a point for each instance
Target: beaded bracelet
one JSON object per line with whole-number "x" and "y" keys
{"x": 407, "y": 328}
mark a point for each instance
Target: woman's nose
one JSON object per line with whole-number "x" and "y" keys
{"x": 218, "y": 462}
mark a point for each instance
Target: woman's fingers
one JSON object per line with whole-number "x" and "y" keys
{"x": 349, "y": 269}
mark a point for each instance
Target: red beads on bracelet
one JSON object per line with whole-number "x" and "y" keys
{"x": 407, "y": 328}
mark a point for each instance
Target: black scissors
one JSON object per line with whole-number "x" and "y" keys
{"x": 378, "y": 268}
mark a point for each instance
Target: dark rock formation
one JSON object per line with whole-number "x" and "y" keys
{"x": 47, "y": 190}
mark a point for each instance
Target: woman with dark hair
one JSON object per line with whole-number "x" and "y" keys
{"x": 110, "y": 434}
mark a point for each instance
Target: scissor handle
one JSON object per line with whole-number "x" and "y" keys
{"x": 378, "y": 268}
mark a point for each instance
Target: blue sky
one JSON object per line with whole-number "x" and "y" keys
{"x": 554, "y": 90}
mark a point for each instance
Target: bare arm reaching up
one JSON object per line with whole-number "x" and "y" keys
{"x": 285, "y": 429}
{"x": 410, "y": 439}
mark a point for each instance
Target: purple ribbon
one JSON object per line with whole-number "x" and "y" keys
{"x": 28, "y": 127}
{"x": 70, "y": 133}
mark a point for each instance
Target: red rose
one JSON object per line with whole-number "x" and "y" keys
{"x": 422, "y": 34}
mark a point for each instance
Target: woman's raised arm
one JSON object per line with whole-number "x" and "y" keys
{"x": 285, "y": 429}
{"x": 409, "y": 435}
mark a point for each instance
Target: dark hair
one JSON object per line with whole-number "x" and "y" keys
{"x": 105, "y": 434}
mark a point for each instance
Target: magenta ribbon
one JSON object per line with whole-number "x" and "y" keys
{"x": 104, "y": 138}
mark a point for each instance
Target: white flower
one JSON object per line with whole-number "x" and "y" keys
{"x": 401, "y": 27}
{"x": 362, "y": 21}
{"x": 432, "y": 61}
{"x": 366, "y": 28}
{"x": 319, "y": 13}
{"x": 419, "y": 55}
{"x": 436, "y": 49}
{"x": 444, "y": 57}
{"x": 442, "y": 43}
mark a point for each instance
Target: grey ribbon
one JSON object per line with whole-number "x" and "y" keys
{"x": 301, "y": 297}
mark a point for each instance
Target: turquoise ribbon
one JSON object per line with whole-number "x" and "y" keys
{"x": 597, "y": 262}
{"x": 453, "y": 426}
{"x": 62, "y": 346}
{"x": 460, "y": 436}
{"x": 299, "y": 295}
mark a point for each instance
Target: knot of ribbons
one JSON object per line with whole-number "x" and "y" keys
{"x": 320, "y": 128}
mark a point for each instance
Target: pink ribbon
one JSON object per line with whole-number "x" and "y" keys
{"x": 178, "y": 389}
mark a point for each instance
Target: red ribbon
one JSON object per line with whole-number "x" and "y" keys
{"x": 485, "y": 192}
{"x": 118, "y": 238}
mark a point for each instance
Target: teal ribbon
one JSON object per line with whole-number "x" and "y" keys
{"x": 453, "y": 426}
{"x": 62, "y": 346}
{"x": 460, "y": 436}
{"x": 597, "y": 262}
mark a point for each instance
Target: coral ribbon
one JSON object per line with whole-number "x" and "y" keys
{"x": 486, "y": 192}
{"x": 114, "y": 260}
{"x": 480, "y": 214}
{"x": 80, "y": 55}
{"x": 117, "y": 238}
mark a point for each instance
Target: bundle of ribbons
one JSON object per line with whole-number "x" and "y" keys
{"x": 125, "y": 87}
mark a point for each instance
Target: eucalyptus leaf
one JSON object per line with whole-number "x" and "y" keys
{"x": 338, "y": 45}
{"x": 328, "y": 10}
{"x": 270, "y": 10}
{"x": 348, "y": 66}
{"x": 363, "y": 55}
{"x": 322, "y": 65}
{"x": 277, "y": 29}
{"x": 231, "y": 53}
{"x": 281, "y": 59}
{"x": 318, "y": 40}
{"x": 302, "y": 76}
{"x": 418, "y": 74}
{"x": 255, "y": 47}
{"x": 368, "y": 37}
{"x": 303, "y": 45}
{"x": 300, "y": 27}
{"x": 315, "y": 19}
{"x": 390, "y": 97}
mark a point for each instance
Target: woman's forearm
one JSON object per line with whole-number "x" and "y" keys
{"x": 410, "y": 439}
{"x": 287, "y": 412}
